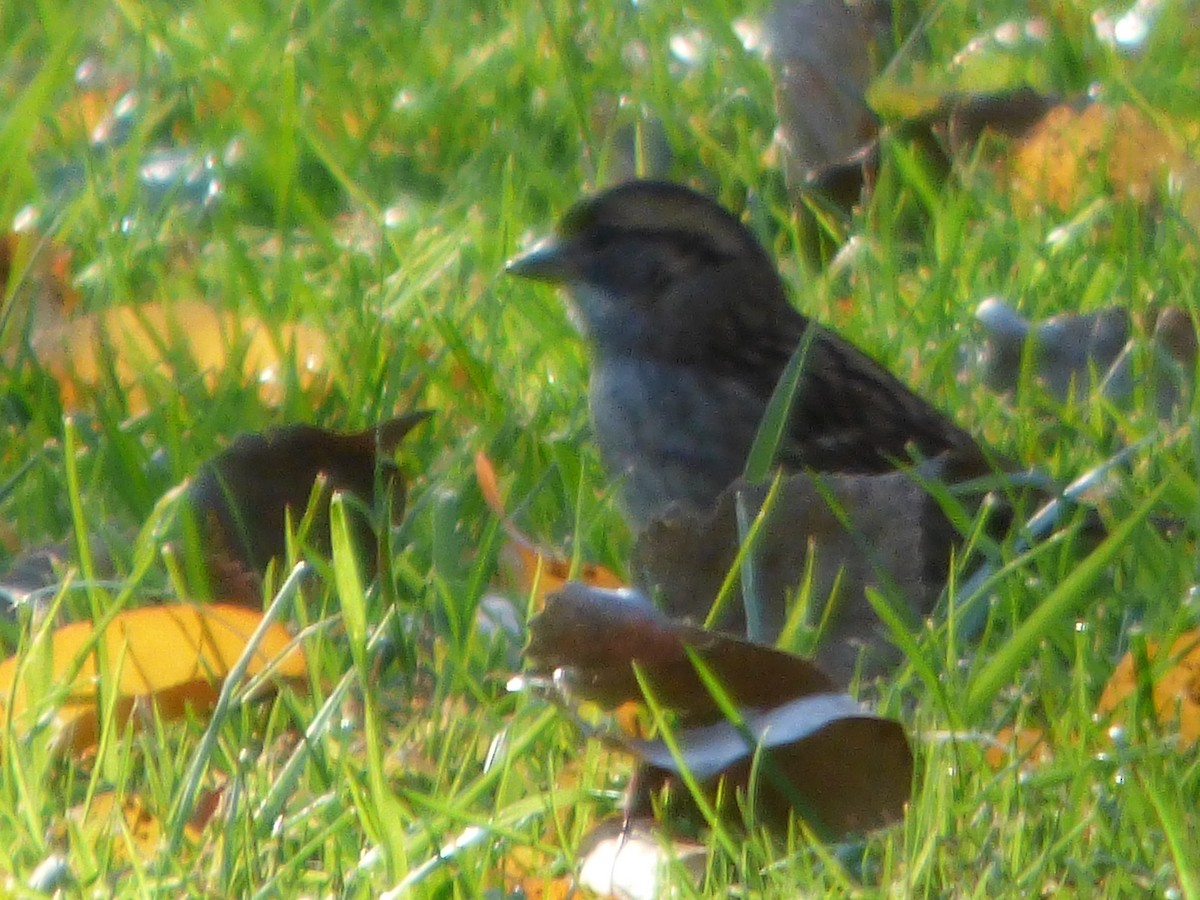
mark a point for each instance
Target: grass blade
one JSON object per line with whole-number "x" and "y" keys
{"x": 1070, "y": 594}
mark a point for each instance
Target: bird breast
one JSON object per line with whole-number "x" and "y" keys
{"x": 671, "y": 433}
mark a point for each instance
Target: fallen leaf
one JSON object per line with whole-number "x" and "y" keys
{"x": 1074, "y": 355}
{"x": 152, "y": 340}
{"x": 538, "y": 572}
{"x": 1025, "y": 746}
{"x": 897, "y": 535}
{"x": 820, "y": 53}
{"x": 37, "y": 273}
{"x": 36, "y": 573}
{"x": 1073, "y": 154}
{"x": 1174, "y": 679}
{"x": 526, "y": 874}
{"x": 10, "y": 540}
{"x": 172, "y": 656}
{"x": 489, "y": 485}
{"x": 846, "y": 769}
{"x": 632, "y": 860}
{"x": 944, "y": 129}
{"x": 535, "y": 570}
{"x": 110, "y": 817}
{"x": 241, "y": 498}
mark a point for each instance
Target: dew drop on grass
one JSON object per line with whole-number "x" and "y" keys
{"x": 87, "y": 73}
{"x": 235, "y": 152}
{"x": 405, "y": 98}
{"x": 1192, "y": 596}
{"x": 26, "y": 219}
{"x": 688, "y": 47}
{"x": 51, "y": 874}
{"x": 394, "y": 215}
{"x": 750, "y": 33}
{"x": 497, "y": 750}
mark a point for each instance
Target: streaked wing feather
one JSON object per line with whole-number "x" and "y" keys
{"x": 850, "y": 414}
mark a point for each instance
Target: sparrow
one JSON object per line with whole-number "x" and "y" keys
{"x": 690, "y": 329}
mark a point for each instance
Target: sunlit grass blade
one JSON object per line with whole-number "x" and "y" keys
{"x": 1069, "y": 595}
{"x": 775, "y": 420}
{"x": 202, "y": 757}
{"x": 388, "y": 814}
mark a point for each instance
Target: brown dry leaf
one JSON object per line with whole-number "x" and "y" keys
{"x": 108, "y": 817}
{"x": 899, "y": 531}
{"x": 172, "y": 656}
{"x": 36, "y": 573}
{"x": 850, "y": 770}
{"x": 821, "y": 57}
{"x": 1176, "y": 689}
{"x": 596, "y": 634}
{"x": 10, "y": 539}
{"x": 1027, "y": 746}
{"x": 944, "y": 128}
{"x": 206, "y": 806}
{"x": 538, "y": 571}
{"x": 242, "y": 496}
{"x": 42, "y": 269}
{"x": 524, "y": 873}
{"x": 489, "y": 485}
{"x": 1154, "y": 354}
{"x": 136, "y": 341}
{"x": 1057, "y": 164}
{"x": 534, "y": 569}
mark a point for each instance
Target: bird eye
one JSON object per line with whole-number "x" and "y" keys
{"x": 603, "y": 236}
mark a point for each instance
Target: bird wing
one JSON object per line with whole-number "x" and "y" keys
{"x": 849, "y": 414}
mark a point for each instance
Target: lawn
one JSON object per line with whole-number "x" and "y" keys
{"x": 363, "y": 170}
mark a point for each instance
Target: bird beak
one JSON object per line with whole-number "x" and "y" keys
{"x": 548, "y": 260}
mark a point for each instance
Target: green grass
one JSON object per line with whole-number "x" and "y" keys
{"x": 384, "y": 160}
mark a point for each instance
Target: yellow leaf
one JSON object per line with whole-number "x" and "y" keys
{"x": 110, "y": 817}
{"x": 1056, "y": 165}
{"x": 532, "y": 567}
{"x": 529, "y": 564}
{"x": 1176, "y": 690}
{"x": 173, "y": 656}
{"x": 1025, "y": 745}
{"x": 145, "y": 339}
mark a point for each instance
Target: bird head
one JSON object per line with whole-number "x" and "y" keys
{"x": 636, "y": 260}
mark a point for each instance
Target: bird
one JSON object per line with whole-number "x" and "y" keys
{"x": 691, "y": 329}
